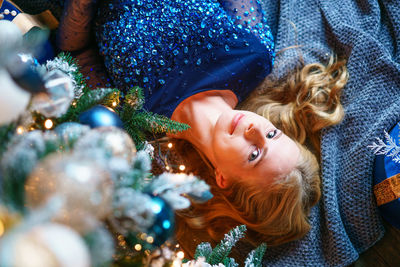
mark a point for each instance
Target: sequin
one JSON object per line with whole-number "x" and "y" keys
{"x": 144, "y": 40}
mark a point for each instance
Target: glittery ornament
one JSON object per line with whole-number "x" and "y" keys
{"x": 46, "y": 245}
{"x": 163, "y": 226}
{"x": 114, "y": 141}
{"x": 60, "y": 94}
{"x": 99, "y": 116}
{"x": 69, "y": 132}
{"x": 83, "y": 184}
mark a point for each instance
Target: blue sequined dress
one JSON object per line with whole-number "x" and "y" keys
{"x": 177, "y": 48}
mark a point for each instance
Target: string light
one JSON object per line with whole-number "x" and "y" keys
{"x": 138, "y": 247}
{"x": 167, "y": 168}
{"x": 20, "y": 130}
{"x": 182, "y": 167}
{"x": 1, "y": 228}
{"x": 143, "y": 236}
{"x": 114, "y": 104}
{"x": 180, "y": 255}
{"x": 176, "y": 263}
{"x": 48, "y": 124}
{"x": 150, "y": 239}
{"x": 169, "y": 145}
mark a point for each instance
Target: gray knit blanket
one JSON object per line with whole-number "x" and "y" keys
{"x": 366, "y": 32}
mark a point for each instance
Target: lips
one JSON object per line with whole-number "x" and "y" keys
{"x": 235, "y": 121}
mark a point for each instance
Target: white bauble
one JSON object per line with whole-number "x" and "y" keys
{"x": 10, "y": 35}
{"x": 13, "y": 99}
{"x": 48, "y": 245}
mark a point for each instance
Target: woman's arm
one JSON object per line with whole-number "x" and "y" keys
{"x": 75, "y": 24}
{"x": 76, "y": 35}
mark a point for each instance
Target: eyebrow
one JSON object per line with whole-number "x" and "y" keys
{"x": 264, "y": 152}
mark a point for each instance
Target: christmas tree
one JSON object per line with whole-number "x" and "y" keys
{"x": 75, "y": 172}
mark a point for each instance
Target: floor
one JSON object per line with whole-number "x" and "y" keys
{"x": 385, "y": 253}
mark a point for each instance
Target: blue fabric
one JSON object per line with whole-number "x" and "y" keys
{"x": 366, "y": 32}
{"x": 174, "y": 49}
{"x": 385, "y": 167}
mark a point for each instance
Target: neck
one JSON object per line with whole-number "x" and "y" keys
{"x": 201, "y": 112}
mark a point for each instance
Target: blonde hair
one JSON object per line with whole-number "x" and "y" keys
{"x": 304, "y": 102}
{"x": 300, "y": 105}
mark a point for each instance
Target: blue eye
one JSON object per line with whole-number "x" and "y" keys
{"x": 253, "y": 155}
{"x": 272, "y": 134}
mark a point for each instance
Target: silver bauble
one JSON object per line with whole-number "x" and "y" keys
{"x": 60, "y": 93}
{"x": 115, "y": 142}
{"x": 83, "y": 184}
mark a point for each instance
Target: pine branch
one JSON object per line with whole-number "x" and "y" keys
{"x": 230, "y": 262}
{"x": 203, "y": 250}
{"x": 88, "y": 100}
{"x": 222, "y": 250}
{"x": 6, "y": 133}
{"x": 254, "y": 259}
{"x": 78, "y": 76}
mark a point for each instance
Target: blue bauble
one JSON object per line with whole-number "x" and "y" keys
{"x": 100, "y": 116}
{"x": 163, "y": 226}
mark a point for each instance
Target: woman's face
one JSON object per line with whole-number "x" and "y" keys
{"x": 250, "y": 147}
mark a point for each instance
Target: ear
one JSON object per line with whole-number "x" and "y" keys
{"x": 221, "y": 180}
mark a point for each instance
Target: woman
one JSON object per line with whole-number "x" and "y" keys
{"x": 196, "y": 61}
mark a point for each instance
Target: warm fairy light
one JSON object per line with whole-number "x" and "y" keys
{"x": 182, "y": 167}
{"x": 169, "y": 145}
{"x": 20, "y": 130}
{"x": 48, "y": 124}
{"x": 177, "y": 245}
{"x": 114, "y": 104}
{"x": 138, "y": 247}
{"x": 143, "y": 236}
{"x": 168, "y": 168}
{"x": 1, "y": 228}
{"x": 180, "y": 255}
{"x": 150, "y": 239}
{"x": 176, "y": 263}
{"x": 74, "y": 103}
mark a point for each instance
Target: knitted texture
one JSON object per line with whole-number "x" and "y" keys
{"x": 366, "y": 32}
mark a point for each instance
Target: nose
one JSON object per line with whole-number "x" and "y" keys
{"x": 255, "y": 135}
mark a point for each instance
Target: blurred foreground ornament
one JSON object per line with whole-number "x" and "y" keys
{"x": 84, "y": 185}
{"x": 60, "y": 93}
{"x": 10, "y": 39}
{"x": 99, "y": 116}
{"x": 114, "y": 141}
{"x": 23, "y": 153}
{"x": 45, "y": 245}
{"x": 101, "y": 246}
{"x": 164, "y": 223}
{"x": 13, "y": 100}
{"x": 23, "y": 69}
{"x": 69, "y": 132}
